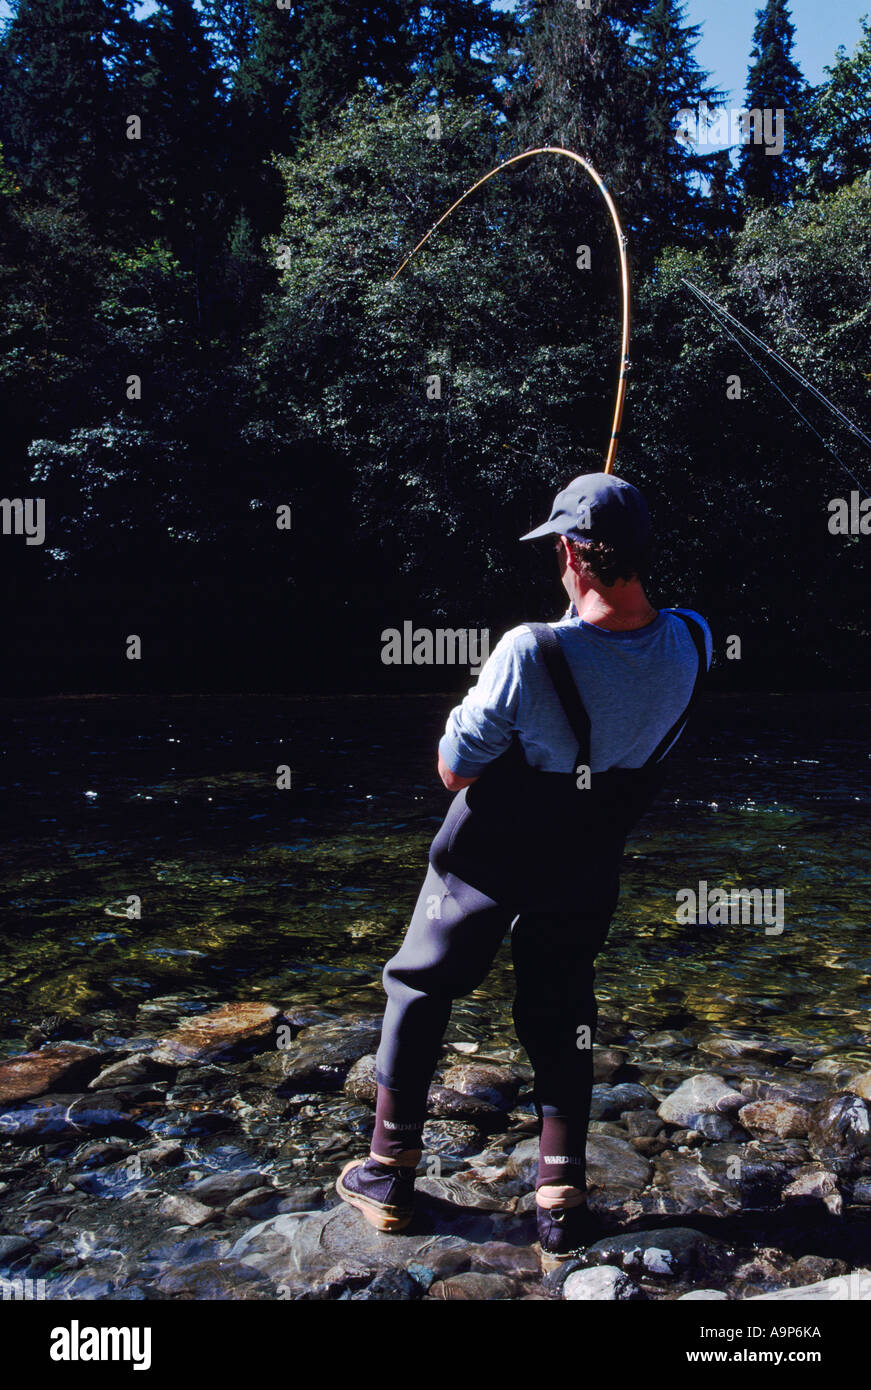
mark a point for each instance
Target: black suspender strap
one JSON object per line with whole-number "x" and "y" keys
{"x": 563, "y": 683}
{"x": 677, "y": 727}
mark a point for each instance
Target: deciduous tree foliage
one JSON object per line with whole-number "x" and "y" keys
{"x": 200, "y": 327}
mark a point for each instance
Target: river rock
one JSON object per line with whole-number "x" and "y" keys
{"x": 256, "y": 1204}
{"x": 607, "y": 1062}
{"x": 220, "y": 1033}
{"x": 602, "y": 1284}
{"x": 740, "y": 1045}
{"x": 219, "y": 1189}
{"x": 614, "y": 1166}
{"x": 54, "y": 1068}
{"x": 853, "y": 1286}
{"x": 678, "y": 1250}
{"x": 703, "y": 1094}
{"x": 779, "y": 1119}
{"x": 295, "y": 1250}
{"x": 515, "y": 1261}
{"x": 392, "y": 1286}
{"x": 52, "y": 1118}
{"x": 495, "y": 1085}
{"x": 139, "y": 1067}
{"x": 696, "y": 1188}
{"x": 474, "y": 1286}
{"x": 361, "y": 1083}
{"x": 840, "y": 1128}
{"x": 213, "y": 1280}
{"x": 862, "y": 1192}
{"x": 641, "y": 1123}
{"x": 444, "y": 1103}
{"x": 813, "y": 1184}
{"x": 185, "y": 1211}
{"x": 861, "y": 1085}
{"x": 796, "y": 1087}
{"x": 321, "y": 1057}
{"x": 451, "y": 1138}
{"x": 704, "y": 1296}
{"x": 609, "y": 1102}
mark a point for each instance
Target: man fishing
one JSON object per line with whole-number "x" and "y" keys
{"x": 554, "y": 755}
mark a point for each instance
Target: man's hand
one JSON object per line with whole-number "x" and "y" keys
{"x": 451, "y": 780}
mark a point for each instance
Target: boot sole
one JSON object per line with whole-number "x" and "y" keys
{"x": 378, "y": 1214}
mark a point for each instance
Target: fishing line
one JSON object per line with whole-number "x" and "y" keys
{"x": 721, "y": 315}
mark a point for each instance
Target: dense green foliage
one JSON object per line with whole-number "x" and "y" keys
{"x": 200, "y": 327}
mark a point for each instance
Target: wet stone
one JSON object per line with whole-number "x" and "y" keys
{"x": 51, "y": 1069}
{"x": 220, "y": 1033}
{"x": 602, "y": 1284}
{"x": 474, "y": 1286}
{"x": 451, "y": 1138}
{"x": 741, "y": 1045}
{"x": 321, "y": 1057}
{"x": 361, "y": 1083}
{"x": 130, "y": 1070}
{"x": 776, "y": 1118}
{"x": 841, "y": 1128}
{"x": 679, "y": 1251}
{"x": 703, "y": 1094}
{"x": 185, "y": 1211}
{"x": 495, "y": 1085}
{"x": 607, "y": 1062}
{"x": 219, "y": 1189}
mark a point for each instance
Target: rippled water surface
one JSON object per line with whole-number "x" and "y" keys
{"x": 301, "y": 894}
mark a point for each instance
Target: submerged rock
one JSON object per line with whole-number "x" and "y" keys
{"x": 853, "y": 1286}
{"x": 321, "y": 1057}
{"x": 687, "y": 1252}
{"x": 703, "y": 1094}
{"x": 739, "y": 1045}
{"x": 840, "y": 1128}
{"x": 780, "y": 1119}
{"x": 603, "y": 1283}
{"x": 815, "y": 1184}
{"x": 51, "y": 1069}
{"x": 474, "y": 1286}
{"x": 219, "y": 1033}
{"x": 495, "y": 1085}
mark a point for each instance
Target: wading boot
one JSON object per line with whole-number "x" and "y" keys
{"x": 381, "y": 1188}
{"x": 565, "y": 1223}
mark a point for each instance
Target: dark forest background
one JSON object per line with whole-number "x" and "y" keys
{"x": 233, "y": 257}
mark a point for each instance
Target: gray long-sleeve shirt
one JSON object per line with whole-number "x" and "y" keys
{"x": 634, "y": 686}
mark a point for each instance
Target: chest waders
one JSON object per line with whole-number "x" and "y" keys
{"x": 538, "y": 839}
{"x": 538, "y": 854}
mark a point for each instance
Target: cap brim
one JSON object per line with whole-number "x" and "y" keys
{"x": 549, "y": 528}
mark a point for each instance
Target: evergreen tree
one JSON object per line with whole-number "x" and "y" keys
{"x": 672, "y": 82}
{"x": 776, "y": 90}
{"x": 579, "y": 87}
{"x": 840, "y": 118}
{"x": 62, "y": 68}
{"x": 461, "y": 46}
{"x": 342, "y": 45}
{"x": 180, "y": 150}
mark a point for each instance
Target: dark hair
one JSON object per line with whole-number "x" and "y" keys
{"x": 606, "y": 563}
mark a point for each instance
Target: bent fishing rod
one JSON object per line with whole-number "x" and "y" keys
{"x": 622, "y": 241}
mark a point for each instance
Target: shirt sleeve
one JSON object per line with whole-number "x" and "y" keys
{"x": 481, "y": 728}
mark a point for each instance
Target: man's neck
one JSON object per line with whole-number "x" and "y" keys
{"x": 621, "y": 608}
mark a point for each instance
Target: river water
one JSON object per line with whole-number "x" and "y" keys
{"x": 248, "y": 891}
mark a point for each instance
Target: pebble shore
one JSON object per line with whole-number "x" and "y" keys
{"x": 191, "y": 1153}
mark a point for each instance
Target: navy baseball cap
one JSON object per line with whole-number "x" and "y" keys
{"x": 598, "y": 507}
